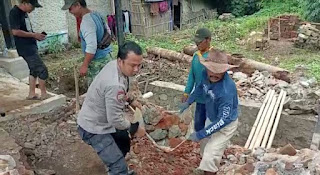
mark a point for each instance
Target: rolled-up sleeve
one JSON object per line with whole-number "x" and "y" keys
{"x": 115, "y": 98}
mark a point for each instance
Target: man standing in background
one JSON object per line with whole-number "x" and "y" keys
{"x": 95, "y": 38}
{"x": 26, "y": 44}
{"x": 202, "y": 39}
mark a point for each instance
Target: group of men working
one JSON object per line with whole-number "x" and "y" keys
{"x": 101, "y": 121}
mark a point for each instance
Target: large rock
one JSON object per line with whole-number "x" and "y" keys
{"x": 288, "y": 150}
{"x": 239, "y": 76}
{"x": 174, "y": 131}
{"x": 151, "y": 115}
{"x": 159, "y": 134}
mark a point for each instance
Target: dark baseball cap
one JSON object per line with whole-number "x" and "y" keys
{"x": 68, "y": 4}
{"x": 202, "y": 34}
{"x": 35, "y": 3}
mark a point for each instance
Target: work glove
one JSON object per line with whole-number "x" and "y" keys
{"x": 133, "y": 128}
{"x": 183, "y": 107}
{"x": 193, "y": 137}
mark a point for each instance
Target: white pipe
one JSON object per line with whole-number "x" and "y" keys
{"x": 147, "y": 95}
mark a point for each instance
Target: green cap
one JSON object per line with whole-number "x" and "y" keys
{"x": 202, "y": 34}
{"x": 68, "y": 4}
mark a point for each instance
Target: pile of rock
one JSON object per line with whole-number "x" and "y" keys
{"x": 301, "y": 95}
{"x": 309, "y": 37}
{"x": 285, "y": 160}
{"x": 166, "y": 128}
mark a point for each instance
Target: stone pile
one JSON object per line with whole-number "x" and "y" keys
{"x": 301, "y": 95}
{"x": 166, "y": 128}
{"x": 286, "y": 160}
{"x": 309, "y": 37}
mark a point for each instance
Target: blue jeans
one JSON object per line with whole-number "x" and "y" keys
{"x": 200, "y": 117}
{"x": 107, "y": 150}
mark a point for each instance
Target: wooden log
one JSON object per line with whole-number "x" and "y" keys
{"x": 261, "y": 121}
{"x": 190, "y": 50}
{"x": 170, "y": 55}
{"x": 276, "y": 122}
{"x": 248, "y": 66}
{"x": 271, "y": 122}
{"x": 265, "y": 123}
{"x": 257, "y": 120}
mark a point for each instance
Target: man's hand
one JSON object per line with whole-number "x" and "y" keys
{"x": 193, "y": 137}
{"x": 39, "y": 36}
{"x": 83, "y": 70}
{"x": 184, "y": 97}
{"x": 136, "y": 104}
{"x": 183, "y": 107}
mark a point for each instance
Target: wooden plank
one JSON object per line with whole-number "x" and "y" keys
{"x": 261, "y": 121}
{"x": 275, "y": 126}
{"x": 273, "y": 115}
{"x": 257, "y": 120}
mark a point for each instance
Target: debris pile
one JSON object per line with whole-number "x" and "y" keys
{"x": 166, "y": 128}
{"x": 257, "y": 41}
{"x": 309, "y": 37}
{"x": 302, "y": 95}
{"x": 285, "y": 160}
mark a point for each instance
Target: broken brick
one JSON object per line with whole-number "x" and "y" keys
{"x": 140, "y": 133}
{"x": 248, "y": 168}
{"x": 271, "y": 171}
{"x": 184, "y": 128}
{"x": 167, "y": 121}
{"x": 173, "y": 142}
{"x": 288, "y": 150}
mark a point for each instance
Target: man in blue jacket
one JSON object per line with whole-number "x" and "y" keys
{"x": 221, "y": 104}
{"x": 202, "y": 39}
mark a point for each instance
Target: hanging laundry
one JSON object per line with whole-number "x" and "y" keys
{"x": 163, "y": 6}
{"x": 112, "y": 24}
{"x": 127, "y": 22}
{"x": 154, "y": 8}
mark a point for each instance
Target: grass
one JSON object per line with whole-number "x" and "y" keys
{"x": 227, "y": 34}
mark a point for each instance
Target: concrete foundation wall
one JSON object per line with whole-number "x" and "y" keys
{"x": 297, "y": 130}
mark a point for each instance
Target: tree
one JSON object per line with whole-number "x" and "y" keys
{"x": 312, "y": 12}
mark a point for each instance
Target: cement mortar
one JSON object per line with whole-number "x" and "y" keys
{"x": 294, "y": 129}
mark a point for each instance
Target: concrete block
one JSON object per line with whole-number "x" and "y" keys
{"x": 17, "y": 67}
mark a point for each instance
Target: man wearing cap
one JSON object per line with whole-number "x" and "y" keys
{"x": 26, "y": 44}
{"x": 221, "y": 104}
{"x": 95, "y": 38}
{"x": 202, "y": 39}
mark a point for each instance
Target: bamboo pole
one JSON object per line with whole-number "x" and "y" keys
{"x": 273, "y": 115}
{"x": 265, "y": 122}
{"x": 257, "y": 120}
{"x": 275, "y": 126}
{"x": 76, "y": 84}
{"x": 261, "y": 121}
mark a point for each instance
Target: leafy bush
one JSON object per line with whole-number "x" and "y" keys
{"x": 312, "y": 10}
{"x": 244, "y": 7}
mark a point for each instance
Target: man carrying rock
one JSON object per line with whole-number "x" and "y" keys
{"x": 202, "y": 39}
{"x": 221, "y": 104}
{"x": 101, "y": 121}
{"x": 26, "y": 44}
{"x": 95, "y": 38}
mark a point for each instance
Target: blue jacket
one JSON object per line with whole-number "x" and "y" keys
{"x": 221, "y": 100}
{"x": 100, "y": 53}
{"x": 195, "y": 75}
